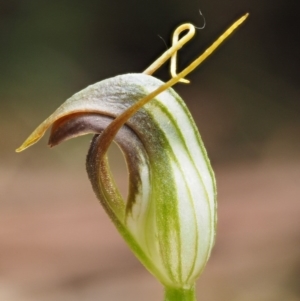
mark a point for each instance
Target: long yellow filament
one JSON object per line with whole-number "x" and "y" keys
{"x": 109, "y": 133}
{"x": 172, "y": 52}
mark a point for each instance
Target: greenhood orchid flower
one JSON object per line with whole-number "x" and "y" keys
{"x": 169, "y": 218}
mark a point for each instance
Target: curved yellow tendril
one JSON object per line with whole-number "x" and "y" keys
{"x": 172, "y": 52}
{"x": 109, "y": 133}
{"x": 176, "y": 34}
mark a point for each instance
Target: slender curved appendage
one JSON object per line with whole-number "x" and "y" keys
{"x": 171, "y": 52}
{"x": 175, "y": 38}
{"x": 109, "y": 133}
{"x": 204, "y": 21}
{"x": 39, "y": 132}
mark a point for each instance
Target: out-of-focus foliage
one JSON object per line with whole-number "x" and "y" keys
{"x": 245, "y": 99}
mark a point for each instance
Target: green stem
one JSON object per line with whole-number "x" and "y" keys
{"x": 177, "y": 294}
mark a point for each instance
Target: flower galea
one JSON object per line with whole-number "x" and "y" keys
{"x": 169, "y": 217}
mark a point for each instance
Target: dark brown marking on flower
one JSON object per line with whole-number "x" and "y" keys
{"x": 97, "y": 166}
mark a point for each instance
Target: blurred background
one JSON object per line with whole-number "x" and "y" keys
{"x": 56, "y": 243}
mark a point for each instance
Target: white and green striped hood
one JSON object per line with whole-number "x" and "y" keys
{"x": 169, "y": 218}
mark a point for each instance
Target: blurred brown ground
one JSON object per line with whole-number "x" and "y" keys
{"x": 56, "y": 243}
